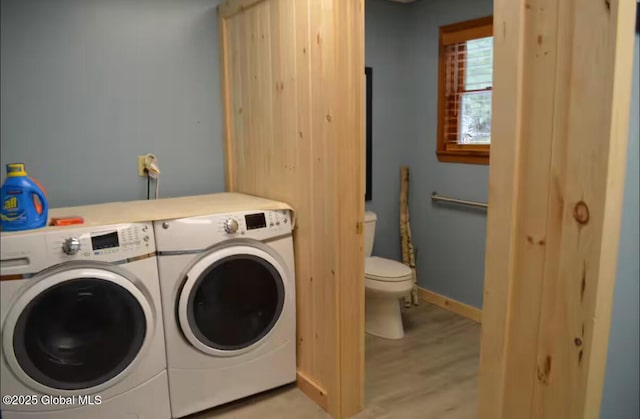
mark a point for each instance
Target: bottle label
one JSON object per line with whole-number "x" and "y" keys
{"x": 11, "y": 209}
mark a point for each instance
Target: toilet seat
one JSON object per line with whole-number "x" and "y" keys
{"x": 385, "y": 282}
{"x": 386, "y": 270}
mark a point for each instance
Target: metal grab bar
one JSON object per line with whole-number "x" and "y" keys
{"x": 436, "y": 197}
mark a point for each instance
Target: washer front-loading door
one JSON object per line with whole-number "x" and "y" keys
{"x": 232, "y": 298}
{"x": 76, "y": 329}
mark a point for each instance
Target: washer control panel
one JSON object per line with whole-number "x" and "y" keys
{"x": 109, "y": 243}
{"x": 255, "y": 223}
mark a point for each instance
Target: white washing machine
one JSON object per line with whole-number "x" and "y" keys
{"x": 82, "y": 332}
{"x": 228, "y": 297}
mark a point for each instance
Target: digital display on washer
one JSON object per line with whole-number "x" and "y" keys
{"x": 255, "y": 221}
{"x": 105, "y": 241}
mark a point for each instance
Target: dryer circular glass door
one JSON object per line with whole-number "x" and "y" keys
{"x": 76, "y": 329}
{"x": 231, "y": 300}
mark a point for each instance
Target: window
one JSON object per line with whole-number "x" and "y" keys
{"x": 464, "y": 91}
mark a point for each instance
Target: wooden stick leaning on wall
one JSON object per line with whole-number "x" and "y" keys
{"x": 404, "y": 192}
{"x": 412, "y": 265}
{"x": 408, "y": 257}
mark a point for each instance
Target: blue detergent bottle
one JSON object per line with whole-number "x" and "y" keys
{"x": 24, "y": 204}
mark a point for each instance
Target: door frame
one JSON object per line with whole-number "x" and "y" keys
{"x": 555, "y": 198}
{"x": 314, "y": 65}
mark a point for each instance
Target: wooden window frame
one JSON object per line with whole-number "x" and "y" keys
{"x": 449, "y": 34}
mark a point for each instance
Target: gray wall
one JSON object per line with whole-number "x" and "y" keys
{"x": 386, "y": 52}
{"x": 401, "y": 45}
{"x": 621, "y": 389}
{"x": 449, "y": 240}
{"x": 87, "y": 85}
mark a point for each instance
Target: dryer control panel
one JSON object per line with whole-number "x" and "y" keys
{"x": 255, "y": 223}
{"x": 105, "y": 243}
{"x": 197, "y": 233}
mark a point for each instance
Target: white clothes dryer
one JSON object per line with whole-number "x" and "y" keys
{"x": 228, "y": 295}
{"x": 82, "y": 332}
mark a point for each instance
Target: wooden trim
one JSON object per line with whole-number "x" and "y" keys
{"x": 478, "y": 24}
{"x": 555, "y": 190}
{"x": 452, "y": 305}
{"x": 462, "y": 35}
{"x": 312, "y": 389}
{"x": 507, "y": 74}
{"x": 232, "y": 7}
{"x": 441, "y": 94}
{"x": 306, "y": 56}
{"x": 609, "y": 80}
{"x": 474, "y": 148}
{"x": 368, "y": 194}
{"x": 225, "y": 88}
{"x": 463, "y": 156}
{"x": 349, "y": 146}
{"x": 470, "y": 29}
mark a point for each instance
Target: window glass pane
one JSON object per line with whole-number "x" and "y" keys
{"x": 479, "y": 66}
{"x": 475, "y": 118}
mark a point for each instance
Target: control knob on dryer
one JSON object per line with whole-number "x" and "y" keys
{"x": 230, "y": 225}
{"x": 71, "y": 246}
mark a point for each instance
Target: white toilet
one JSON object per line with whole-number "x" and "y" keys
{"x": 385, "y": 281}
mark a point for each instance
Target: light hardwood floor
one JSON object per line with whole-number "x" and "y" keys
{"x": 431, "y": 373}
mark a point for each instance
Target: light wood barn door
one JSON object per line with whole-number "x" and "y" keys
{"x": 292, "y": 80}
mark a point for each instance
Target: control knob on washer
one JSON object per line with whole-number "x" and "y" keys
{"x": 71, "y": 246}
{"x": 230, "y": 225}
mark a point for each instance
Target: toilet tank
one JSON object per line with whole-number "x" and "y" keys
{"x": 369, "y": 232}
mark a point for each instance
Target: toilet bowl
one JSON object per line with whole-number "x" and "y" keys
{"x": 386, "y": 281}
